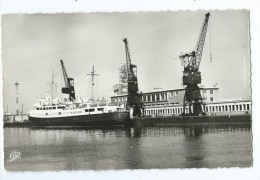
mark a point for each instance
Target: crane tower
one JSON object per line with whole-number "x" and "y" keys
{"x": 192, "y": 75}
{"x": 69, "y": 84}
{"x": 133, "y": 96}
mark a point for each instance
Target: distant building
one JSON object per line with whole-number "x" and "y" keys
{"x": 8, "y": 118}
{"x": 170, "y": 103}
{"x": 98, "y": 101}
{"x": 167, "y": 97}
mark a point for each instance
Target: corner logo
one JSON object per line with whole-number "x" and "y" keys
{"x": 14, "y": 155}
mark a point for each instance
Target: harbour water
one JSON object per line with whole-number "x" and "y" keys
{"x": 133, "y": 148}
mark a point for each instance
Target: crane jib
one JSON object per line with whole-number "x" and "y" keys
{"x": 201, "y": 42}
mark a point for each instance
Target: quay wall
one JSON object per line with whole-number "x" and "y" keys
{"x": 194, "y": 120}
{"x": 207, "y": 120}
{"x": 17, "y": 124}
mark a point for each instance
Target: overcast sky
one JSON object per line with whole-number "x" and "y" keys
{"x": 34, "y": 44}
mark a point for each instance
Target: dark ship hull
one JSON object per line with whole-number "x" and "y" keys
{"x": 91, "y": 120}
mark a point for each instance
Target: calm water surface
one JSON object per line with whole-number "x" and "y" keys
{"x": 133, "y": 148}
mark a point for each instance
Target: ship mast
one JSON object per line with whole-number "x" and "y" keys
{"x": 92, "y": 74}
{"x": 53, "y": 84}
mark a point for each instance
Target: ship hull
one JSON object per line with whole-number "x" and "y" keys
{"x": 90, "y": 120}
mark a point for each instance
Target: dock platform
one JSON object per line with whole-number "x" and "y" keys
{"x": 194, "y": 120}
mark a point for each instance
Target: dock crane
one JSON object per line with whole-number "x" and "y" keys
{"x": 69, "y": 84}
{"x": 192, "y": 75}
{"x": 133, "y": 96}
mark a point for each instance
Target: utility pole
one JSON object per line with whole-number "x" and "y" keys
{"x": 22, "y": 112}
{"x": 17, "y": 100}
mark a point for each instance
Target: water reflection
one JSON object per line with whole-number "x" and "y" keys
{"x": 129, "y": 148}
{"x": 135, "y": 132}
{"x": 192, "y": 131}
{"x": 194, "y": 146}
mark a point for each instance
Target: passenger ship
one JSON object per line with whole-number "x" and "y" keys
{"x": 48, "y": 113}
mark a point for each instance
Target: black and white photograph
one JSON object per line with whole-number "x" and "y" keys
{"x": 102, "y": 91}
